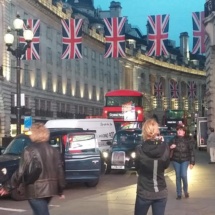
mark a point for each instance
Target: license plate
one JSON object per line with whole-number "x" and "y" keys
{"x": 117, "y": 167}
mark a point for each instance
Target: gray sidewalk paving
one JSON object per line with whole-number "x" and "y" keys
{"x": 121, "y": 201}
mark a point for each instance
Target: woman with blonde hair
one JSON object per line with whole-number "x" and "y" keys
{"x": 152, "y": 158}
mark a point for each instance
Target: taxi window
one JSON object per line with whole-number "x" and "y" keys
{"x": 81, "y": 143}
{"x": 55, "y": 141}
{"x": 127, "y": 137}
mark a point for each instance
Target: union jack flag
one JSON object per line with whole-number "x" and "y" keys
{"x": 174, "y": 89}
{"x": 115, "y": 37}
{"x": 191, "y": 89}
{"x": 72, "y": 38}
{"x": 158, "y": 90}
{"x": 32, "y": 53}
{"x": 158, "y": 27}
{"x": 198, "y": 32}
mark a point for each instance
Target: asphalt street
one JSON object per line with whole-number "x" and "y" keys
{"x": 115, "y": 195}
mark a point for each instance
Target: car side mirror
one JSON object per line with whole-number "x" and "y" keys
{"x": 1, "y": 150}
{"x": 109, "y": 143}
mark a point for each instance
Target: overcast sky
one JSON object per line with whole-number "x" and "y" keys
{"x": 180, "y": 12}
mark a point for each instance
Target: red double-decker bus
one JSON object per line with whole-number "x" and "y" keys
{"x": 125, "y": 107}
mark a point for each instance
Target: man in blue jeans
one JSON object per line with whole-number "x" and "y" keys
{"x": 182, "y": 156}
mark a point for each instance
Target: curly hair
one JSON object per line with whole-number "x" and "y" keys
{"x": 39, "y": 133}
{"x": 150, "y": 129}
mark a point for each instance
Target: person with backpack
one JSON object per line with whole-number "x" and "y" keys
{"x": 152, "y": 158}
{"x": 41, "y": 171}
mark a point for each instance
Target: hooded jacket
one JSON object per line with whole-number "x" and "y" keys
{"x": 152, "y": 160}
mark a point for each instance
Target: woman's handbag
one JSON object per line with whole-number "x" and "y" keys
{"x": 33, "y": 170}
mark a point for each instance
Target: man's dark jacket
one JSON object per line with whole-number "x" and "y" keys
{"x": 184, "y": 150}
{"x": 152, "y": 160}
{"x": 51, "y": 181}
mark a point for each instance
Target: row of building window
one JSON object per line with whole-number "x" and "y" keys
{"x": 102, "y": 75}
{"x": 47, "y": 105}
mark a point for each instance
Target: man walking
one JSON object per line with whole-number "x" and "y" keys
{"x": 211, "y": 145}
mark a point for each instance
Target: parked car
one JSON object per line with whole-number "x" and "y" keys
{"x": 81, "y": 157}
{"x": 122, "y": 152}
{"x": 9, "y": 159}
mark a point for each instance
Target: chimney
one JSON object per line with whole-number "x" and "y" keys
{"x": 184, "y": 46}
{"x": 115, "y": 9}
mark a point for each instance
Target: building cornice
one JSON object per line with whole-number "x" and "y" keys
{"x": 49, "y": 9}
{"x": 141, "y": 59}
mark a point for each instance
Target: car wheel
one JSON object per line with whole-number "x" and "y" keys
{"x": 92, "y": 183}
{"x": 18, "y": 194}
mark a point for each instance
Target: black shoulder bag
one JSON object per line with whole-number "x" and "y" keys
{"x": 34, "y": 169}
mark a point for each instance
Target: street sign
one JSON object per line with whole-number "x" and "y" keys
{"x": 27, "y": 122}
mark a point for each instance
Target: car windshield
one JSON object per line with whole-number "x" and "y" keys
{"x": 17, "y": 146}
{"x": 127, "y": 137}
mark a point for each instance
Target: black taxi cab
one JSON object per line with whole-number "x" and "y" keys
{"x": 81, "y": 157}
{"x": 122, "y": 153}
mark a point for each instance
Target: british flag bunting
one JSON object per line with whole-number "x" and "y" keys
{"x": 158, "y": 90}
{"x": 32, "y": 53}
{"x": 158, "y": 27}
{"x": 115, "y": 37}
{"x": 191, "y": 89}
{"x": 174, "y": 89}
{"x": 72, "y": 38}
{"x": 198, "y": 32}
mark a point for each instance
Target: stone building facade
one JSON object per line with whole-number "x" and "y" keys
{"x": 210, "y": 64}
{"x": 56, "y": 88}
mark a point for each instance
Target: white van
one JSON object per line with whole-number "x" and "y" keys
{"x": 105, "y": 128}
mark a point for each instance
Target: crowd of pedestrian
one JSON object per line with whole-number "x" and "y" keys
{"x": 153, "y": 156}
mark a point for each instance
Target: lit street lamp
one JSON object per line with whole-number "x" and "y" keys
{"x": 18, "y": 52}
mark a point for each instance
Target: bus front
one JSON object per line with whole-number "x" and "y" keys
{"x": 125, "y": 110}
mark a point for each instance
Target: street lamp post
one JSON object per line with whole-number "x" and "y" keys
{"x": 18, "y": 52}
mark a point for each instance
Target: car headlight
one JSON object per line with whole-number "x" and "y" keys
{"x": 105, "y": 154}
{"x": 4, "y": 171}
{"x": 133, "y": 155}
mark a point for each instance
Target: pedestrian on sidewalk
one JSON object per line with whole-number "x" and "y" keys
{"x": 40, "y": 187}
{"x": 152, "y": 158}
{"x": 182, "y": 156}
{"x": 211, "y": 145}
